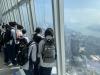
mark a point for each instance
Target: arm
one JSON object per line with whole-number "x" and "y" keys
{"x": 40, "y": 48}
{"x": 34, "y": 50}
{"x": 13, "y": 33}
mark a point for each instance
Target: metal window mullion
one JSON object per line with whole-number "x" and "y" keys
{"x": 58, "y": 18}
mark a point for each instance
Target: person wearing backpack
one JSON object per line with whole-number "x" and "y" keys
{"x": 12, "y": 51}
{"x": 47, "y": 53}
{"x": 37, "y": 38}
{"x": 0, "y": 40}
{"x": 29, "y": 65}
{"x": 6, "y": 40}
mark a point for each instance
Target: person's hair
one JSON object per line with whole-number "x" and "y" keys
{"x": 24, "y": 41}
{"x": 24, "y": 31}
{"x": 7, "y": 26}
{"x": 37, "y": 38}
{"x": 12, "y": 24}
{"x": 3, "y": 26}
{"x": 19, "y": 27}
{"x": 38, "y": 30}
{"x": 49, "y": 31}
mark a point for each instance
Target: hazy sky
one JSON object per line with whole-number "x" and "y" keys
{"x": 83, "y": 16}
{"x": 80, "y": 15}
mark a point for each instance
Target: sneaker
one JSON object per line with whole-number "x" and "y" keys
{"x": 10, "y": 64}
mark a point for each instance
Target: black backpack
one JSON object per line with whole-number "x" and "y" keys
{"x": 8, "y": 36}
{"x": 22, "y": 56}
{"x": 49, "y": 51}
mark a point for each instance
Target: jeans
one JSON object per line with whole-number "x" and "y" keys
{"x": 7, "y": 53}
{"x": 45, "y": 71}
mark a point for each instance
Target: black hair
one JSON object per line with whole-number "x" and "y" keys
{"x": 49, "y": 31}
{"x": 24, "y": 41}
{"x": 7, "y": 26}
{"x": 37, "y": 38}
{"x": 24, "y": 31}
{"x": 12, "y": 24}
{"x": 19, "y": 27}
{"x": 38, "y": 30}
{"x": 3, "y": 26}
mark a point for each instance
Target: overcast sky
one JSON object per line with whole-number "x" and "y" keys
{"x": 83, "y": 16}
{"x": 80, "y": 15}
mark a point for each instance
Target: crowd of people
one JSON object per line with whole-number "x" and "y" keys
{"x": 35, "y": 56}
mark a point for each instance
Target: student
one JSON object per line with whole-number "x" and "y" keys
{"x": 29, "y": 66}
{"x": 47, "y": 53}
{"x": 12, "y": 51}
{"x": 37, "y": 38}
{"x": 6, "y": 40}
{"x": 0, "y": 40}
{"x": 19, "y": 35}
{"x": 38, "y": 35}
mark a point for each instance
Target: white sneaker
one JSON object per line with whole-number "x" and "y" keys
{"x": 9, "y": 65}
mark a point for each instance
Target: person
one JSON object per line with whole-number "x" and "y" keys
{"x": 38, "y": 35}
{"x": 0, "y": 40}
{"x": 19, "y": 36}
{"x": 47, "y": 53}
{"x": 6, "y": 41}
{"x": 12, "y": 51}
{"x": 29, "y": 65}
{"x": 19, "y": 33}
{"x": 37, "y": 38}
{"x": 24, "y": 35}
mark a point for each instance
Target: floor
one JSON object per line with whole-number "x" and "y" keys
{"x": 5, "y": 70}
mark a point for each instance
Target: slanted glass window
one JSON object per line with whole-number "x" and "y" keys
{"x": 82, "y": 36}
{"x": 25, "y": 18}
{"x": 17, "y": 16}
{"x": 9, "y": 3}
{"x": 43, "y": 11}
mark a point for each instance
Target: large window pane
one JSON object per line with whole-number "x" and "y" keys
{"x": 13, "y": 2}
{"x": 44, "y": 18}
{"x": 9, "y": 3}
{"x": 25, "y": 18}
{"x": 82, "y": 39}
{"x": 17, "y": 16}
{"x": 11, "y": 16}
{"x": 43, "y": 15}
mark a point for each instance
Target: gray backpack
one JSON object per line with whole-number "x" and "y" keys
{"x": 49, "y": 51}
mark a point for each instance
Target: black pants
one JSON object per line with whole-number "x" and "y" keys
{"x": 29, "y": 72}
{"x": 45, "y": 71}
{"x": 36, "y": 67}
{"x": 13, "y": 54}
{"x": 0, "y": 47}
{"x": 7, "y": 53}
